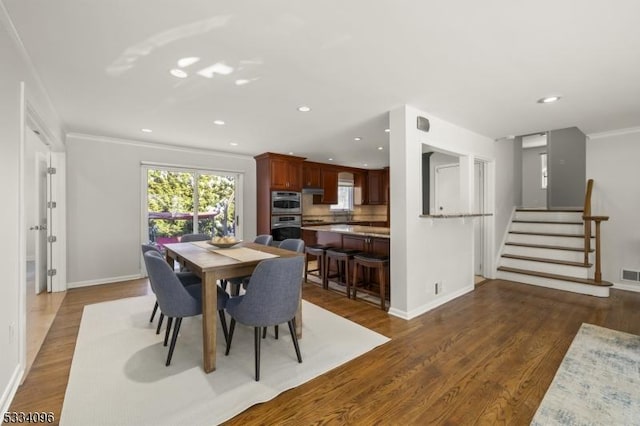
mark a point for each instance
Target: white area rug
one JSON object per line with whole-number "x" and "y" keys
{"x": 597, "y": 383}
{"x": 118, "y": 376}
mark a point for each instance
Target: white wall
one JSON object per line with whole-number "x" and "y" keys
{"x": 612, "y": 163}
{"x": 14, "y": 70}
{"x": 423, "y": 250}
{"x": 508, "y": 167}
{"x": 104, "y": 201}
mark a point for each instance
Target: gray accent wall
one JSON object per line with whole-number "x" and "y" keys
{"x": 517, "y": 170}
{"x": 566, "y": 150}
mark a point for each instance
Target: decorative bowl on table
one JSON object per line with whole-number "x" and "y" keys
{"x": 224, "y": 242}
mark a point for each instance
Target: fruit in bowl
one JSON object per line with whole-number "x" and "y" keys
{"x": 224, "y": 242}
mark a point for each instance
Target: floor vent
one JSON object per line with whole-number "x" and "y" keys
{"x": 630, "y": 275}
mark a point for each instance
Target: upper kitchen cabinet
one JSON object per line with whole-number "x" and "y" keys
{"x": 327, "y": 182}
{"x": 377, "y": 186}
{"x": 329, "y": 185}
{"x": 283, "y": 172}
{"x": 311, "y": 173}
{"x": 360, "y": 188}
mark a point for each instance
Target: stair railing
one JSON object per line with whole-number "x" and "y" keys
{"x": 588, "y": 218}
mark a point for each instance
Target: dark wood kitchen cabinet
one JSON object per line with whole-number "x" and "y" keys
{"x": 274, "y": 172}
{"x": 360, "y": 188}
{"x": 311, "y": 175}
{"x": 376, "y": 187}
{"x": 371, "y": 245}
{"x": 286, "y": 174}
{"x": 329, "y": 186}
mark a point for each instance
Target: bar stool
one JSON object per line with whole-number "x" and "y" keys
{"x": 342, "y": 257}
{"x": 371, "y": 262}
{"x": 319, "y": 251}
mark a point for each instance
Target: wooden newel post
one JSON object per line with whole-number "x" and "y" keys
{"x": 587, "y": 223}
{"x": 597, "y": 219}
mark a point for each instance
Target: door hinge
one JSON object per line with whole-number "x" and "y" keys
{"x": 52, "y": 204}
{"x": 52, "y": 239}
{"x": 51, "y": 170}
{"x": 51, "y": 272}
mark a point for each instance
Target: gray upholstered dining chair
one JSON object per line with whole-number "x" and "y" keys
{"x": 272, "y": 299}
{"x": 186, "y": 278}
{"x": 187, "y": 238}
{"x": 177, "y": 301}
{"x": 264, "y": 239}
{"x": 292, "y": 244}
{"x": 235, "y": 283}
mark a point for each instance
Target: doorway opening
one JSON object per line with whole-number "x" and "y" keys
{"x": 41, "y": 303}
{"x": 534, "y": 171}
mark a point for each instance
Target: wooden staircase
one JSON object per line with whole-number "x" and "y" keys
{"x": 555, "y": 249}
{"x": 546, "y": 248}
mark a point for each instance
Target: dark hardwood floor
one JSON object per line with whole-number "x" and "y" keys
{"x": 487, "y": 357}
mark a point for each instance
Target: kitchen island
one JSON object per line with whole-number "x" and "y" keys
{"x": 369, "y": 239}
{"x": 373, "y": 240}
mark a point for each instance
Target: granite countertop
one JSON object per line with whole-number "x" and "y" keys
{"x": 366, "y": 231}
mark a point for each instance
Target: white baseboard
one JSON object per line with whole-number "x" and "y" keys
{"x": 627, "y": 287}
{"x": 11, "y": 389}
{"x": 100, "y": 281}
{"x": 430, "y": 306}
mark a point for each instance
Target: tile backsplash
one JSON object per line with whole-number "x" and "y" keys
{"x": 360, "y": 213}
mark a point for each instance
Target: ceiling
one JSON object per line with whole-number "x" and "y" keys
{"x": 480, "y": 65}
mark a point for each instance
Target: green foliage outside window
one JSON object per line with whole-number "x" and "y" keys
{"x": 171, "y": 200}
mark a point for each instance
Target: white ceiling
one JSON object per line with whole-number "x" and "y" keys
{"x": 479, "y": 64}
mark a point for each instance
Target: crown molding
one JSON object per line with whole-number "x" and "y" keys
{"x": 610, "y": 133}
{"x": 5, "y": 19}
{"x": 156, "y": 145}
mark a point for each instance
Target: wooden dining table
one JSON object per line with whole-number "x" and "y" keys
{"x": 211, "y": 265}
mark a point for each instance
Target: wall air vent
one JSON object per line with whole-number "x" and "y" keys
{"x": 630, "y": 275}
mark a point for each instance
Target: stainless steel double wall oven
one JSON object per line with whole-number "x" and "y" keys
{"x": 286, "y": 215}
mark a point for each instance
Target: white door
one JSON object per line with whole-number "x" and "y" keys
{"x": 40, "y": 228}
{"x": 447, "y": 183}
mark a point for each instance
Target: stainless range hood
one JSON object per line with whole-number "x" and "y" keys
{"x": 318, "y": 191}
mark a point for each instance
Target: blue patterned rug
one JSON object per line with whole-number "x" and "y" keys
{"x": 597, "y": 383}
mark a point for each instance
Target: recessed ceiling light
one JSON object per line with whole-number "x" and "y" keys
{"x": 387, "y": 130}
{"x": 549, "y": 99}
{"x": 380, "y": 148}
{"x": 218, "y": 122}
{"x": 185, "y": 62}
{"x": 290, "y": 152}
{"x": 304, "y": 108}
{"x": 147, "y": 130}
{"x": 178, "y": 73}
{"x": 330, "y": 159}
{"x": 233, "y": 144}
{"x": 357, "y": 138}
{"x": 242, "y": 82}
{"x": 365, "y": 164}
